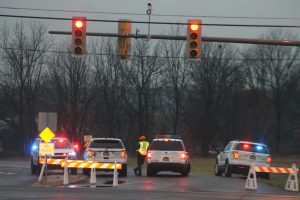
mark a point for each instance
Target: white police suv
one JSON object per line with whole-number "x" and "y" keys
{"x": 106, "y": 150}
{"x": 62, "y": 148}
{"x": 238, "y": 156}
{"x": 167, "y": 153}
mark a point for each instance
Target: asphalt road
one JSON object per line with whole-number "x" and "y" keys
{"x": 16, "y": 183}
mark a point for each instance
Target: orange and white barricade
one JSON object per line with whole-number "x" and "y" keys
{"x": 93, "y": 165}
{"x": 291, "y": 184}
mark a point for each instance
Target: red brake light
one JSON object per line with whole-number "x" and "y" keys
{"x": 269, "y": 159}
{"x": 183, "y": 156}
{"x": 236, "y": 155}
{"x": 89, "y": 153}
{"x": 61, "y": 140}
{"x": 123, "y": 153}
{"x": 76, "y": 146}
{"x": 149, "y": 155}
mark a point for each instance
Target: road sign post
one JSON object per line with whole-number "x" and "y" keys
{"x": 46, "y": 149}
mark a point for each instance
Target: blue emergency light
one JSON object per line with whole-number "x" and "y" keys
{"x": 259, "y": 148}
{"x": 34, "y": 147}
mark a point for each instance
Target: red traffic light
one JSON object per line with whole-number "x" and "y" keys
{"x": 78, "y": 24}
{"x": 194, "y": 27}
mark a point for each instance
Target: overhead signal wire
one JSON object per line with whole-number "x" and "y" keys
{"x": 160, "y": 23}
{"x": 144, "y": 14}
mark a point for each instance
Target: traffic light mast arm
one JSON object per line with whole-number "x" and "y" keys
{"x": 206, "y": 39}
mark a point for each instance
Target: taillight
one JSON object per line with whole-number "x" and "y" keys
{"x": 235, "y": 155}
{"x": 76, "y": 147}
{"x": 123, "y": 153}
{"x": 149, "y": 155}
{"x": 89, "y": 153}
{"x": 269, "y": 159}
{"x": 183, "y": 156}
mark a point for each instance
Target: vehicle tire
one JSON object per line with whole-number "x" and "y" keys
{"x": 265, "y": 175}
{"x": 73, "y": 171}
{"x": 33, "y": 167}
{"x": 86, "y": 171}
{"x": 186, "y": 170}
{"x": 217, "y": 170}
{"x": 123, "y": 171}
{"x": 150, "y": 171}
{"x": 228, "y": 170}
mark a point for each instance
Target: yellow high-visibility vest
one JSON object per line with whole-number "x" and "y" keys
{"x": 143, "y": 147}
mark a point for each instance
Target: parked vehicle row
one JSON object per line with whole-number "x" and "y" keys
{"x": 165, "y": 153}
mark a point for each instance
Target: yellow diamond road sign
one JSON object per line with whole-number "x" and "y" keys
{"x": 47, "y": 134}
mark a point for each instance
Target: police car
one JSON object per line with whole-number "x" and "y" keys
{"x": 106, "y": 150}
{"x": 62, "y": 148}
{"x": 167, "y": 153}
{"x": 238, "y": 156}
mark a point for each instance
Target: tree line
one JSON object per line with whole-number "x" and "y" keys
{"x": 246, "y": 92}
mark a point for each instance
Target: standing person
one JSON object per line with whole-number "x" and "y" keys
{"x": 141, "y": 155}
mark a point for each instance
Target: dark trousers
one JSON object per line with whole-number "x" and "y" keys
{"x": 140, "y": 159}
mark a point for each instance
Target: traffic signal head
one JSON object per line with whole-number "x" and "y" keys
{"x": 124, "y": 43}
{"x": 78, "y": 36}
{"x": 194, "y": 39}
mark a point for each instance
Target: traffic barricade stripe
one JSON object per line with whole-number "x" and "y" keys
{"x": 278, "y": 170}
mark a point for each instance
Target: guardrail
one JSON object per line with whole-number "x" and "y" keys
{"x": 291, "y": 184}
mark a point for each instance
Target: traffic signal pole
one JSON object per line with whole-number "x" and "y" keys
{"x": 204, "y": 39}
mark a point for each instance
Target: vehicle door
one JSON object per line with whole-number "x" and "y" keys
{"x": 224, "y": 154}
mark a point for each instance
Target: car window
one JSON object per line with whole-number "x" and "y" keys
{"x": 61, "y": 143}
{"x": 252, "y": 148}
{"x": 228, "y": 147}
{"x": 106, "y": 144}
{"x": 167, "y": 145}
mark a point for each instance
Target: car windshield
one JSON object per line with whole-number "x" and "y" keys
{"x": 257, "y": 148}
{"x": 61, "y": 143}
{"x": 167, "y": 145}
{"x": 115, "y": 144}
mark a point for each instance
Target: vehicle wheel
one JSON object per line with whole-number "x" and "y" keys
{"x": 228, "y": 171}
{"x": 150, "y": 171}
{"x": 218, "y": 172}
{"x": 73, "y": 171}
{"x": 86, "y": 171}
{"x": 265, "y": 175}
{"x": 123, "y": 171}
{"x": 33, "y": 168}
{"x": 186, "y": 170}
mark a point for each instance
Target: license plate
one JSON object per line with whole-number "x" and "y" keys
{"x": 166, "y": 159}
{"x": 252, "y": 157}
{"x": 105, "y": 153}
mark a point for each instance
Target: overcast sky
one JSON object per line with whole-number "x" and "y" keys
{"x": 222, "y": 8}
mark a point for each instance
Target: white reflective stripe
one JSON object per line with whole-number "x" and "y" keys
{"x": 72, "y": 164}
{"x": 104, "y": 166}
{"x": 93, "y": 165}
{"x": 82, "y": 165}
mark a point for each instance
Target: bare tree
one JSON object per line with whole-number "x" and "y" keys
{"x": 142, "y": 80}
{"x": 175, "y": 74}
{"x": 270, "y": 72}
{"x": 71, "y": 87}
{"x": 212, "y": 83}
{"x": 109, "y": 85}
{"x": 24, "y": 53}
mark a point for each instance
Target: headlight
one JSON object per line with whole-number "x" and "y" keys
{"x": 73, "y": 153}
